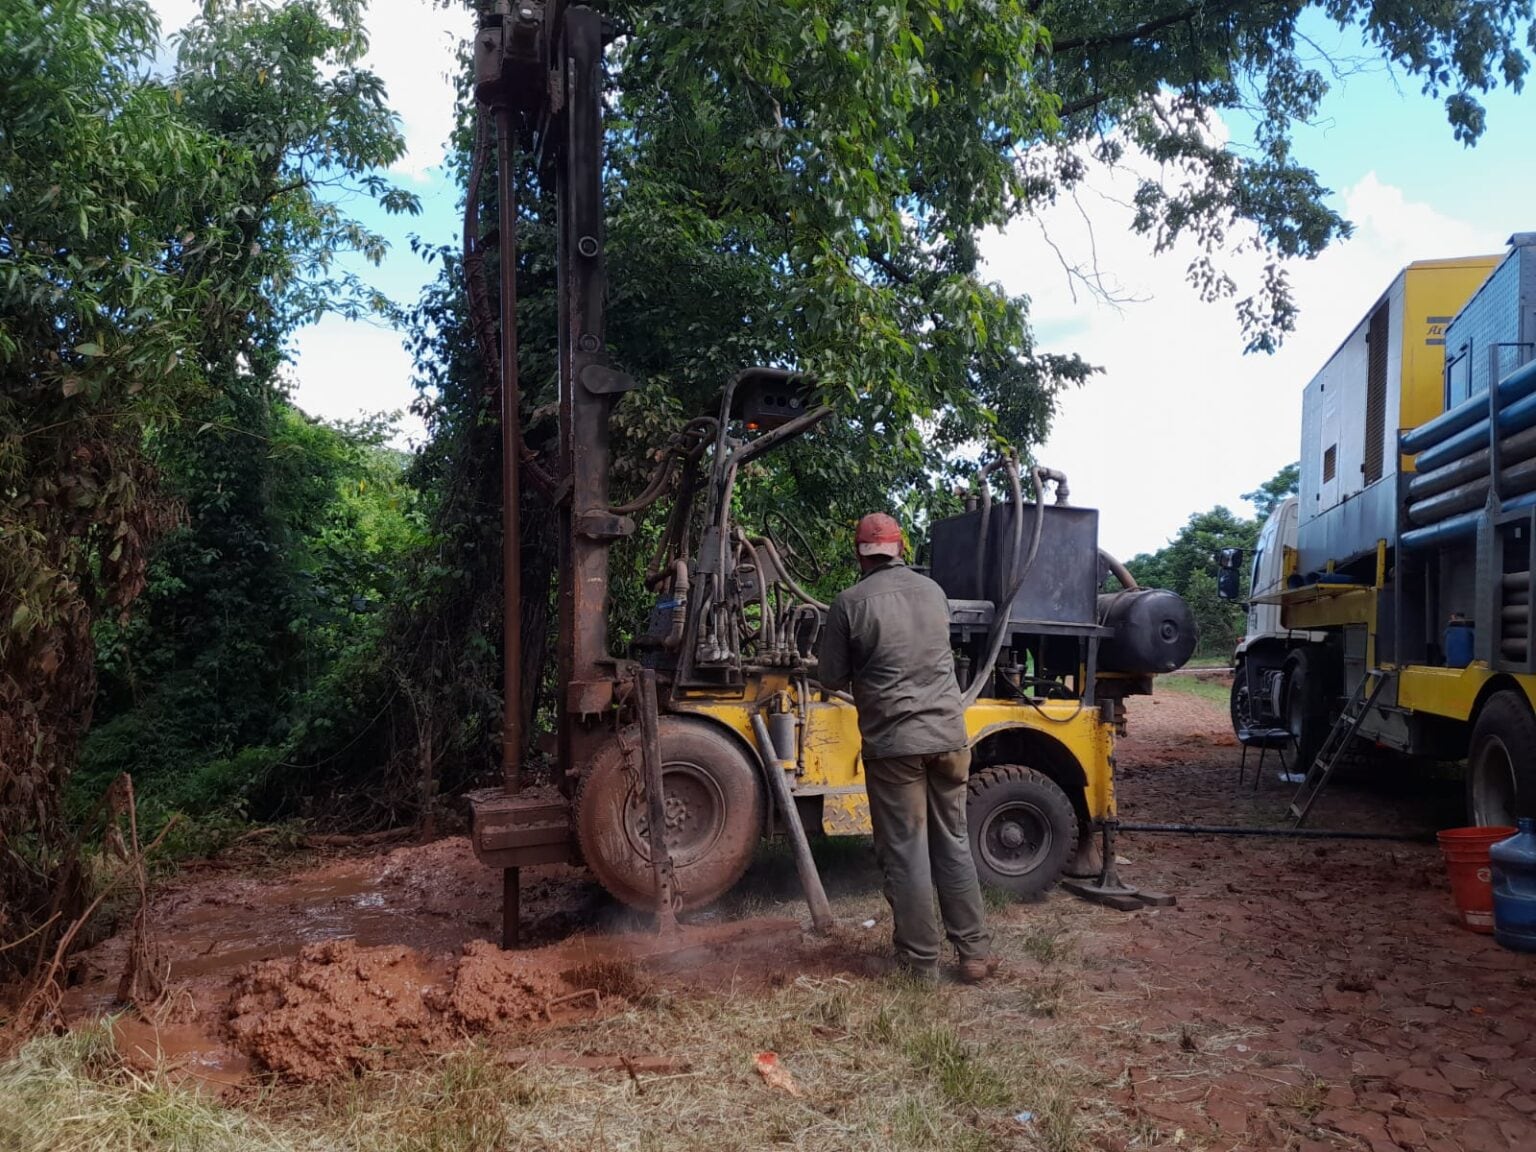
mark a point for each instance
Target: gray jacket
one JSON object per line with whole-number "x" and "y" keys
{"x": 888, "y": 635}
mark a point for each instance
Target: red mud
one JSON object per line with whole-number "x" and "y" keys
{"x": 1302, "y": 995}
{"x": 349, "y": 964}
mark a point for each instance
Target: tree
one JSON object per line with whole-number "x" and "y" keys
{"x": 112, "y": 202}
{"x": 166, "y": 238}
{"x": 1268, "y": 496}
{"x": 1152, "y": 75}
{"x": 240, "y": 620}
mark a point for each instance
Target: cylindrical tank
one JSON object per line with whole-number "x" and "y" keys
{"x": 1154, "y": 631}
{"x": 1514, "y": 888}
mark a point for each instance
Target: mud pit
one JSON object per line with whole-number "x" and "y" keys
{"x": 1303, "y": 995}
{"x": 361, "y": 962}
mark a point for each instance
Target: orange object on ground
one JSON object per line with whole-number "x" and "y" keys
{"x": 1466, "y": 859}
{"x": 774, "y": 1074}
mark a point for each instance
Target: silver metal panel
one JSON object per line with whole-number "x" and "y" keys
{"x": 1349, "y": 530}
{"x": 1397, "y": 326}
{"x": 1310, "y": 486}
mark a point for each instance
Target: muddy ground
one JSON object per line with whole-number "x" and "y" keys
{"x": 1301, "y": 995}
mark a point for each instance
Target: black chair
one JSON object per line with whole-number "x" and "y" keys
{"x": 1264, "y": 739}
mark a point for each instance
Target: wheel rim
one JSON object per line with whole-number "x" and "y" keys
{"x": 1015, "y": 838}
{"x": 1493, "y": 785}
{"x": 1242, "y": 712}
{"x": 695, "y": 814}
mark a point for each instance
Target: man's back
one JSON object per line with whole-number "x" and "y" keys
{"x": 889, "y": 636}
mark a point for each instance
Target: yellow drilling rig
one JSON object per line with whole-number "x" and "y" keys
{"x": 675, "y": 759}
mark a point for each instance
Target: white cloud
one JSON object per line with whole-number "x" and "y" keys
{"x": 1180, "y": 419}
{"x": 412, "y": 46}
{"x": 345, "y": 369}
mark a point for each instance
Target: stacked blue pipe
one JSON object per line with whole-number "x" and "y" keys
{"x": 1463, "y": 527}
{"x": 1469, "y": 413}
{"x": 1461, "y": 432}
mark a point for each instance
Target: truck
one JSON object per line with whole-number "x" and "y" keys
{"x": 676, "y": 756}
{"x": 1389, "y": 600}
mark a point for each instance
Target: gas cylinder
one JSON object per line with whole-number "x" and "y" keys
{"x": 1514, "y": 888}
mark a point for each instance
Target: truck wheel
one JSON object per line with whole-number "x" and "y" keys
{"x": 1239, "y": 705}
{"x": 715, "y": 804}
{"x": 1501, "y": 762}
{"x": 1307, "y": 704}
{"x": 1022, "y": 829}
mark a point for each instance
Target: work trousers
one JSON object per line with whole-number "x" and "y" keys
{"x": 917, "y": 808}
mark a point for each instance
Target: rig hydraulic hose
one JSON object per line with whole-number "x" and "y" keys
{"x": 1020, "y": 570}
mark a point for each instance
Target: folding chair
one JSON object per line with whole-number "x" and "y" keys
{"x": 1264, "y": 739}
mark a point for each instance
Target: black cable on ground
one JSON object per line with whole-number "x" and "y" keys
{"x": 1295, "y": 833}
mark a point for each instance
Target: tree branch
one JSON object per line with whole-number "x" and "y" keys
{"x": 1141, "y": 31}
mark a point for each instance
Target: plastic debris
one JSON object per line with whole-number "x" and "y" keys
{"x": 774, "y": 1074}
{"x": 1024, "y": 1119}
{"x": 869, "y": 923}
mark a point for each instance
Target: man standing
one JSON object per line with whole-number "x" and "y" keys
{"x": 888, "y": 636}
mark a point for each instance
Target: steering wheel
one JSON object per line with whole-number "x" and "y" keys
{"x": 793, "y": 547}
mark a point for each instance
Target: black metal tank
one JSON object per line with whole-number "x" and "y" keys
{"x": 1154, "y": 631}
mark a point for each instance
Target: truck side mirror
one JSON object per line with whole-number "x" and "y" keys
{"x": 1228, "y": 583}
{"x": 1229, "y": 559}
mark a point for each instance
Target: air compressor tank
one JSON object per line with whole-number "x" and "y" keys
{"x": 1154, "y": 631}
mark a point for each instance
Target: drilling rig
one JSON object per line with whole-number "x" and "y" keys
{"x": 676, "y": 759}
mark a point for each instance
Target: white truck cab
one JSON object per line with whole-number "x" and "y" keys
{"x": 1268, "y": 575}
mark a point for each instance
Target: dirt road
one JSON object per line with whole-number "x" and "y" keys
{"x": 1302, "y": 995}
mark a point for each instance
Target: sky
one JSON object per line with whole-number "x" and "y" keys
{"x": 1179, "y": 420}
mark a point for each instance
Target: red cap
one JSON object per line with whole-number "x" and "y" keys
{"x": 878, "y": 535}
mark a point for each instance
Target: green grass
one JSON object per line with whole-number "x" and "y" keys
{"x": 1215, "y": 691}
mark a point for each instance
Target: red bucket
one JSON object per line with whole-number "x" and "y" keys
{"x": 1466, "y": 859}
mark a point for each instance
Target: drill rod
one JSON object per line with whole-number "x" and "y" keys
{"x": 511, "y": 559}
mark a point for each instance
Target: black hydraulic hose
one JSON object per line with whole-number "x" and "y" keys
{"x": 984, "y": 491}
{"x": 1289, "y": 833}
{"x": 1020, "y": 570}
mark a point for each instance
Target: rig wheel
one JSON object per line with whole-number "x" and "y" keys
{"x": 1022, "y": 829}
{"x": 716, "y": 806}
{"x": 1501, "y": 762}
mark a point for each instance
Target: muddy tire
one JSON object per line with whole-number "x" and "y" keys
{"x": 716, "y": 808}
{"x": 1022, "y": 829}
{"x": 1308, "y": 710}
{"x": 1501, "y": 762}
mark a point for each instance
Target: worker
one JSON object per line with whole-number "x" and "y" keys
{"x": 888, "y": 636}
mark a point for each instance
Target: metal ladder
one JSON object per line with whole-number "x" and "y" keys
{"x": 1359, "y": 705}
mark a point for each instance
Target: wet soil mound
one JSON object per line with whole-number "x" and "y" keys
{"x": 338, "y": 1008}
{"x": 335, "y": 1008}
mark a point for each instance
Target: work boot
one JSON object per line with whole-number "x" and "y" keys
{"x": 977, "y": 969}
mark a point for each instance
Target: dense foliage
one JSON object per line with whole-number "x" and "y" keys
{"x": 163, "y": 236}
